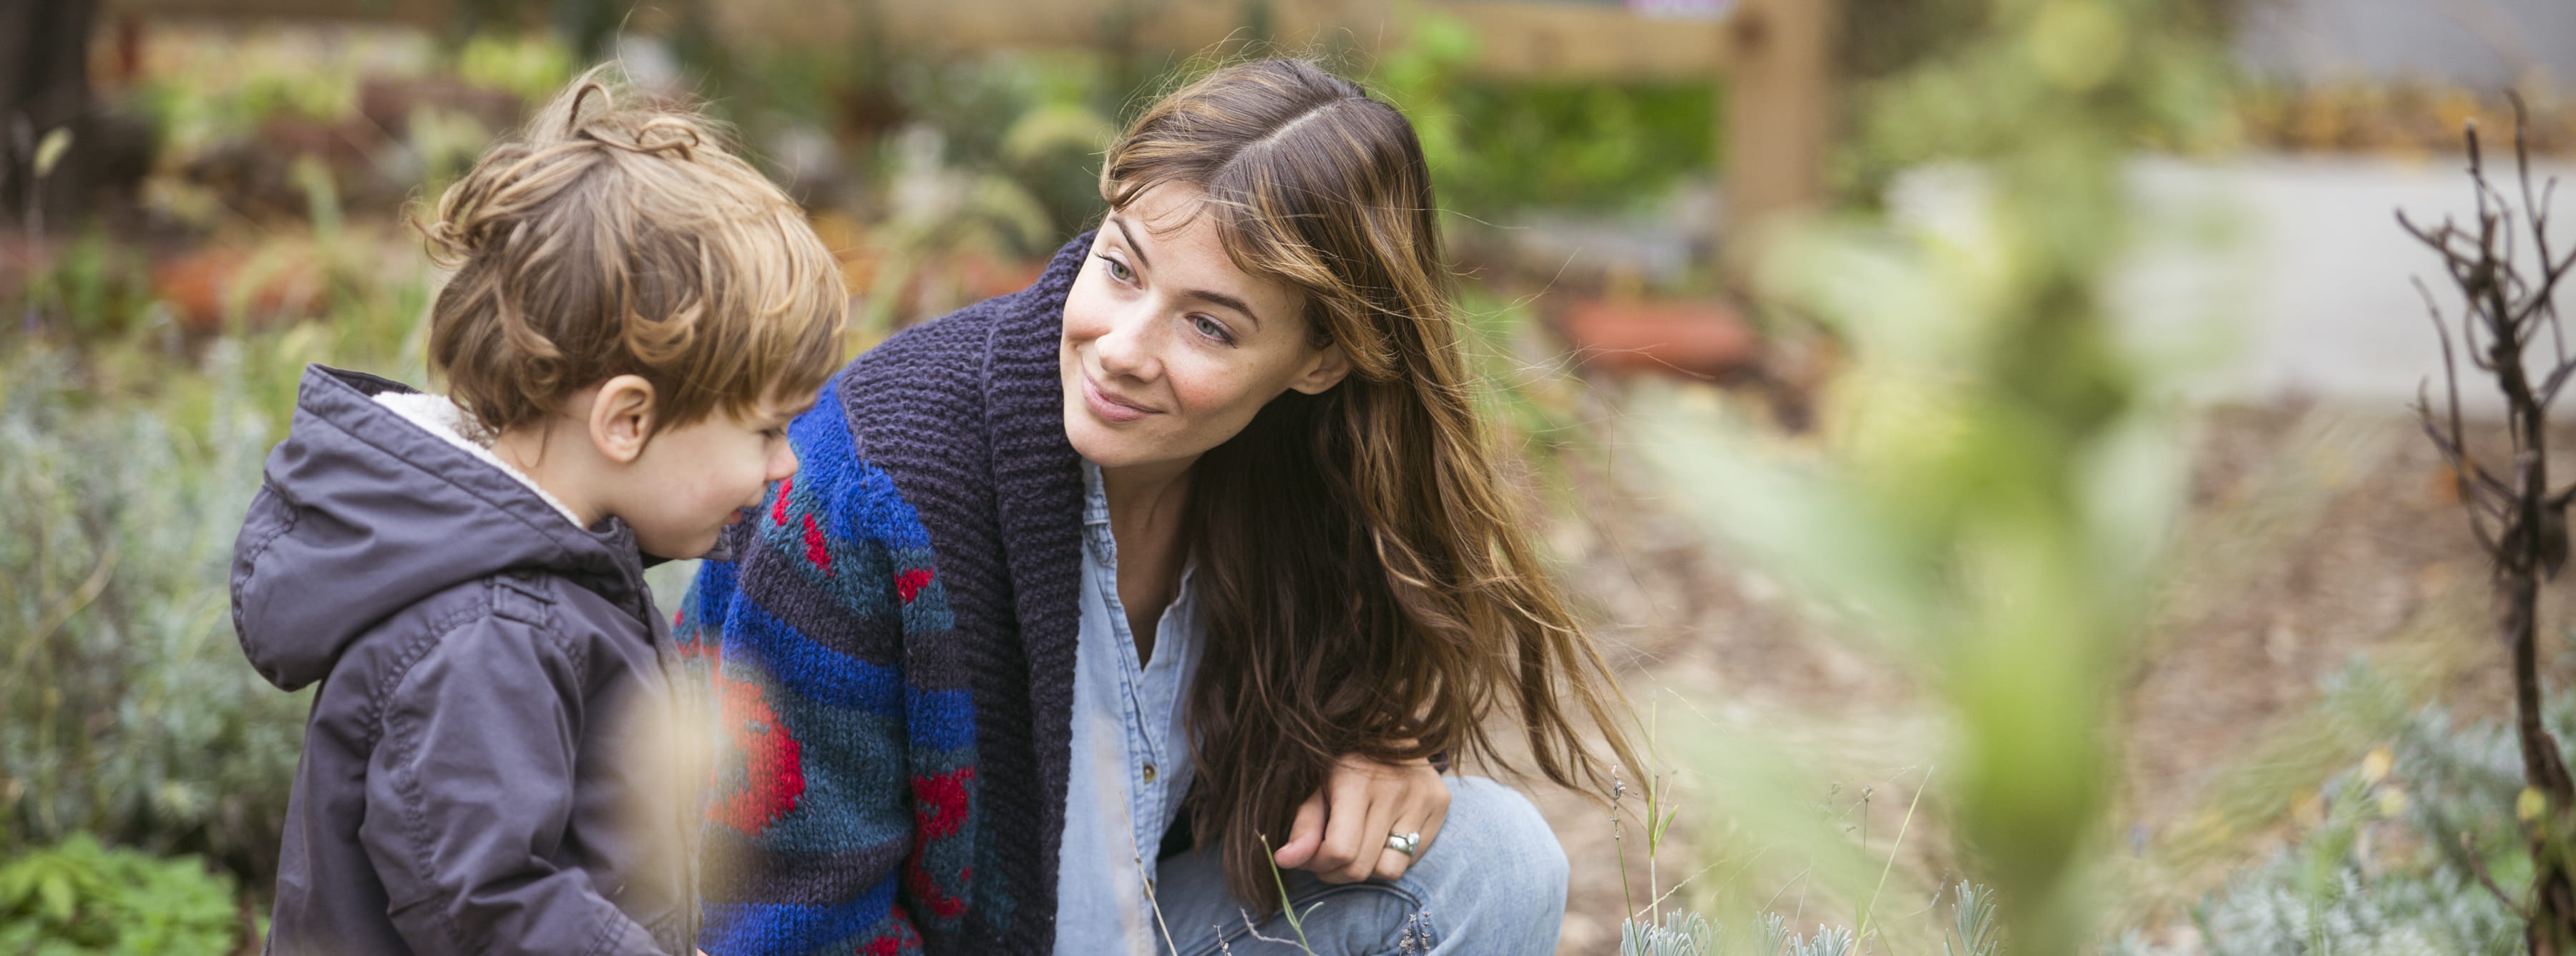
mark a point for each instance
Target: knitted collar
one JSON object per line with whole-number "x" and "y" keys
{"x": 1037, "y": 477}
{"x": 1035, "y": 469}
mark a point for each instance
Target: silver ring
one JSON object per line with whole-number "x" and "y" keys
{"x": 1408, "y": 844}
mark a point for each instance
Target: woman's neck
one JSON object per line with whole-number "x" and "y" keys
{"x": 1146, "y": 506}
{"x": 1146, "y": 502}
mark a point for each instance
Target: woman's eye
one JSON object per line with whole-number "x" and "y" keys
{"x": 1118, "y": 270}
{"x": 1212, "y": 329}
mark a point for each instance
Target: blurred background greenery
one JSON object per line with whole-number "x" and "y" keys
{"x": 1974, "y": 425}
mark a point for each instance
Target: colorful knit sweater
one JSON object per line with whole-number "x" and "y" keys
{"x": 891, "y": 652}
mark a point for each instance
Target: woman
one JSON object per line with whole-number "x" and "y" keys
{"x": 1095, "y": 602}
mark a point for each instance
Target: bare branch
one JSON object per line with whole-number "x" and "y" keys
{"x": 2478, "y": 865}
{"x": 2519, "y": 523}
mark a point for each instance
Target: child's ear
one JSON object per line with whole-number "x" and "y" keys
{"x": 621, "y": 418}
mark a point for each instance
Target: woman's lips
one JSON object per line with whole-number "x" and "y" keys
{"x": 1107, "y": 407}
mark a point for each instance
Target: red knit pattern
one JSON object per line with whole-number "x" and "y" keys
{"x": 926, "y": 888}
{"x": 911, "y": 582}
{"x": 814, "y": 551}
{"x": 896, "y": 941}
{"x": 773, "y": 770}
{"x": 939, "y": 802}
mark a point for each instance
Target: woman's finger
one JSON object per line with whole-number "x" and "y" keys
{"x": 1346, "y": 810}
{"x": 1436, "y": 814}
{"x": 1378, "y": 820}
{"x": 1305, "y": 836}
{"x": 1391, "y": 862}
{"x": 1426, "y": 810}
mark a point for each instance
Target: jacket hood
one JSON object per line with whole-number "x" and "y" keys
{"x": 366, "y": 510}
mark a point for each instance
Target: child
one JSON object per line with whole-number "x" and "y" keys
{"x": 634, "y": 317}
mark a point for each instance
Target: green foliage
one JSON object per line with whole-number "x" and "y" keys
{"x": 99, "y": 286}
{"x": 219, "y": 90}
{"x": 1680, "y": 934}
{"x": 1992, "y": 502}
{"x": 81, "y": 897}
{"x": 1973, "y": 929}
{"x": 1039, "y": 120}
{"x": 2089, "y": 76}
{"x": 534, "y": 66}
{"x": 2389, "y": 860}
{"x": 125, "y": 707}
{"x": 1690, "y": 934}
{"x": 1498, "y": 146}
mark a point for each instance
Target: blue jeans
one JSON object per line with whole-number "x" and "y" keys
{"x": 1493, "y": 882}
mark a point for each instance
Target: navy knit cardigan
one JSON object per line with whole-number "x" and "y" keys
{"x": 892, "y": 652}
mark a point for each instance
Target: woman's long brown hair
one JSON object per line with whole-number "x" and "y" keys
{"x": 1368, "y": 581}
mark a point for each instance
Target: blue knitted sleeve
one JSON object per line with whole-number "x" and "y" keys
{"x": 841, "y": 815}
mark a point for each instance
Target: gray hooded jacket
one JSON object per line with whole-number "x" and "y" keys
{"x": 482, "y": 772}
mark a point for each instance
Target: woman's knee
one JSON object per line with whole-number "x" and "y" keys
{"x": 1496, "y": 837}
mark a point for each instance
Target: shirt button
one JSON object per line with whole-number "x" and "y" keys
{"x": 1149, "y": 773}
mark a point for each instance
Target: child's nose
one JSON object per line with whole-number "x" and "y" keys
{"x": 782, "y": 463}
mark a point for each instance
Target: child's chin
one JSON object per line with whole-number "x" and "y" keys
{"x": 679, "y": 547}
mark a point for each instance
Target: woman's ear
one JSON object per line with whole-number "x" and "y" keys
{"x": 621, "y": 418}
{"x": 1324, "y": 369}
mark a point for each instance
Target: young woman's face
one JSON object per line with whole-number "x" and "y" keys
{"x": 1169, "y": 349}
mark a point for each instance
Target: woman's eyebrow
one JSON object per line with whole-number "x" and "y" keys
{"x": 1204, "y": 295}
{"x": 1121, "y": 223}
{"x": 1225, "y": 300}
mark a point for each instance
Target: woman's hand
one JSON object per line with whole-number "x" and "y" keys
{"x": 1340, "y": 833}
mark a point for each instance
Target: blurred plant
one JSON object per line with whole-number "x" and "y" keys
{"x": 93, "y": 286}
{"x": 205, "y": 88}
{"x": 2033, "y": 72}
{"x": 1680, "y": 934}
{"x": 1690, "y": 934}
{"x": 128, "y": 710}
{"x": 531, "y": 65}
{"x": 1498, "y": 146}
{"x": 943, "y": 219}
{"x": 2406, "y": 117}
{"x": 2518, "y": 518}
{"x": 80, "y": 897}
{"x": 125, "y": 707}
{"x": 2404, "y": 851}
{"x": 1991, "y": 501}
{"x": 1973, "y": 930}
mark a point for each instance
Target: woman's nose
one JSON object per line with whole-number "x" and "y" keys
{"x": 1126, "y": 347}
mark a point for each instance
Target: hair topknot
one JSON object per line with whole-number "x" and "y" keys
{"x": 621, "y": 235}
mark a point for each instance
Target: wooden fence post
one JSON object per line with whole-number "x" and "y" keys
{"x": 1780, "y": 114}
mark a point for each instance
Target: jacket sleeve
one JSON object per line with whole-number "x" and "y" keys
{"x": 816, "y": 815}
{"x": 469, "y": 795}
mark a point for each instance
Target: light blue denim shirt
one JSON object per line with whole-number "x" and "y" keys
{"x": 1131, "y": 754}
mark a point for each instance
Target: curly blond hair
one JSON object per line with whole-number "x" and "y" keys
{"x": 616, "y": 236}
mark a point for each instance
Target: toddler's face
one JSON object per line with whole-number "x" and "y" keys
{"x": 693, "y": 480}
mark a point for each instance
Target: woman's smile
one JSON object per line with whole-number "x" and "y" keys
{"x": 1109, "y": 406}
